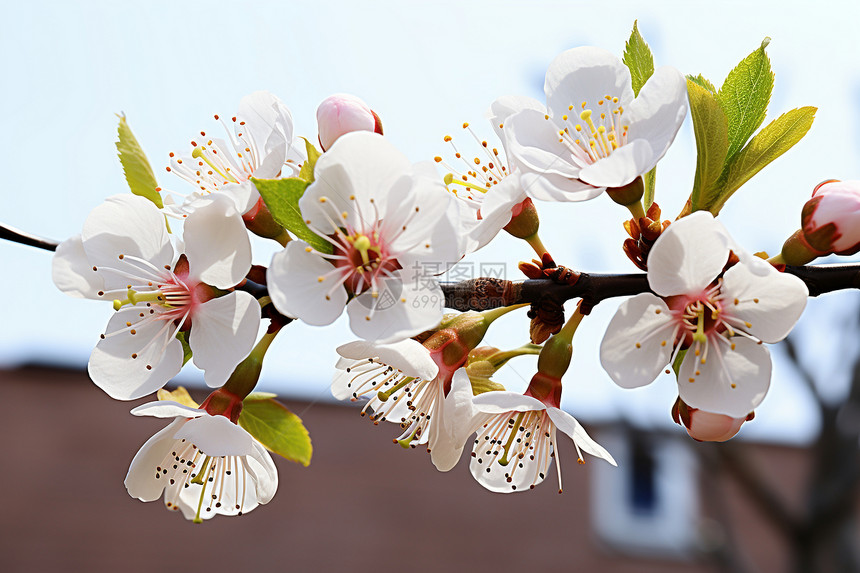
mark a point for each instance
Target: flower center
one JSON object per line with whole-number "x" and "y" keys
{"x": 480, "y": 174}
{"x": 598, "y": 133}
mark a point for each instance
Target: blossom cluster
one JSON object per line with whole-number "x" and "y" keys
{"x": 367, "y": 232}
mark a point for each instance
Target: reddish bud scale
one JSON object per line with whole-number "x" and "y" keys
{"x": 222, "y": 402}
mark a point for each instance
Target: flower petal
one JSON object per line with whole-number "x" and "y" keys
{"x": 499, "y": 402}
{"x": 72, "y": 271}
{"x": 356, "y": 176}
{"x": 167, "y": 409}
{"x": 265, "y": 472}
{"x": 658, "y": 111}
{"x": 689, "y": 254}
{"x": 731, "y": 382}
{"x": 407, "y": 304}
{"x": 638, "y": 341}
{"x": 295, "y": 288}
{"x": 506, "y": 106}
{"x": 623, "y": 166}
{"x": 269, "y": 123}
{"x": 532, "y": 140}
{"x": 216, "y": 436}
{"x": 570, "y": 426}
{"x": 141, "y": 481}
{"x": 551, "y": 187}
{"x": 585, "y": 74}
{"x": 217, "y": 244}
{"x": 455, "y": 426}
{"x": 408, "y": 356}
{"x": 128, "y": 225}
{"x": 223, "y": 334}
{"x": 113, "y": 369}
{"x": 769, "y": 304}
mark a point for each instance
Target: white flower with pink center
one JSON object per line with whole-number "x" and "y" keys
{"x": 720, "y": 317}
{"x": 407, "y": 384}
{"x": 516, "y": 441}
{"x": 204, "y": 465}
{"x": 125, "y": 255}
{"x": 388, "y": 226}
{"x": 260, "y": 144}
{"x": 594, "y": 134}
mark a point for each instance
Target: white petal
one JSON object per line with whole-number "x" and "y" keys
{"x": 129, "y": 225}
{"x": 496, "y": 209}
{"x": 408, "y": 356}
{"x": 356, "y": 176}
{"x": 295, "y": 288}
{"x": 113, "y": 369}
{"x": 140, "y": 481}
{"x": 270, "y": 125}
{"x": 167, "y": 409}
{"x": 408, "y": 304}
{"x": 771, "y": 304}
{"x": 570, "y": 426}
{"x": 689, "y": 254}
{"x": 532, "y": 140}
{"x": 658, "y": 111}
{"x": 217, "y": 244}
{"x": 550, "y": 187}
{"x": 265, "y": 471}
{"x": 216, "y": 436}
{"x": 72, "y": 271}
{"x": 506, "y": 106}
{"x": 244, "y": 195}
{"x": 455, "y": 427}
{"x": 223, "y": 333}
{"x": 635, "y": 322}
{"x": 624, "y": 165}
{"x": 503, "y": 401}
{"x": 585, "y": 74}
{"x": 748, "y": 367}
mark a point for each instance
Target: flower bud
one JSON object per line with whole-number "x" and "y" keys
{"x": 344, "y": 113}
{"x": 707, "y": 426}
{"x": 831, "y": 219}
{"x": 524, "y": 220}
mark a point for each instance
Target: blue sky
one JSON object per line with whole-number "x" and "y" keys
{"x": 425, "y": 68}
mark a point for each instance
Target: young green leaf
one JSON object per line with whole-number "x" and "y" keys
{"x": 307, "y": 171}
{"x": 135, "y": 165}
{"x": 282, "y": 198}
{"x": 676, "y": 365}
{"x": 745, "y": 95}
{"x": 710, "y": 127}
{"x": 638, "y": 58}
{"x": 186, "y": 348}
{"x": 771, "y": 142}
{"x": 278, "y": 429}
{"x": 702, "y": 81}
{"x": 650, "y": 180}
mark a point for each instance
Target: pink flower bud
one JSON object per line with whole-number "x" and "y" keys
{"x": 344, "y": 113}
{"x": 831, "y": 219}
{"x": 707, "y": 426}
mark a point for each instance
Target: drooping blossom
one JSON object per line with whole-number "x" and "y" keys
{"x": 344, "y": 113}
{"x": 408, "y": 384}
{"x": 516, "y": 440}
{"x": 204, "y": 465}
{"x": 705, "y": 426}
{"x": 720, "y": 317}
{"x": 125, "y": 255}
{"x": 260, "y": 144}
{"x": 594, "y": 133}
{"x": 387, "y": 223}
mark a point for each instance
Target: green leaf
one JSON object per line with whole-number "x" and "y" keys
{"x": 282, "y": 198}
{"x": 186, "y": 348}
{"x": 650, "y": 185}
{"x": 307, "y": 171}
{"x": 135, "y": 165}
{"x": 710, "y": 127}
{"x": 260, "y": 396}
{"x": 745, "y": 95}
{"x": 702, "y": 82}
{"x": 180, "y": 395}
{"x": 638, "y": 58}
{"x": 278, "y": 429}
{"x": 775, "y": 139}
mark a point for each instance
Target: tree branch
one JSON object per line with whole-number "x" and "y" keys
{"x": 16, "y": 236}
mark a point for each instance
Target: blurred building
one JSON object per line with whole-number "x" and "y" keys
{"x": 365, "y": 504}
